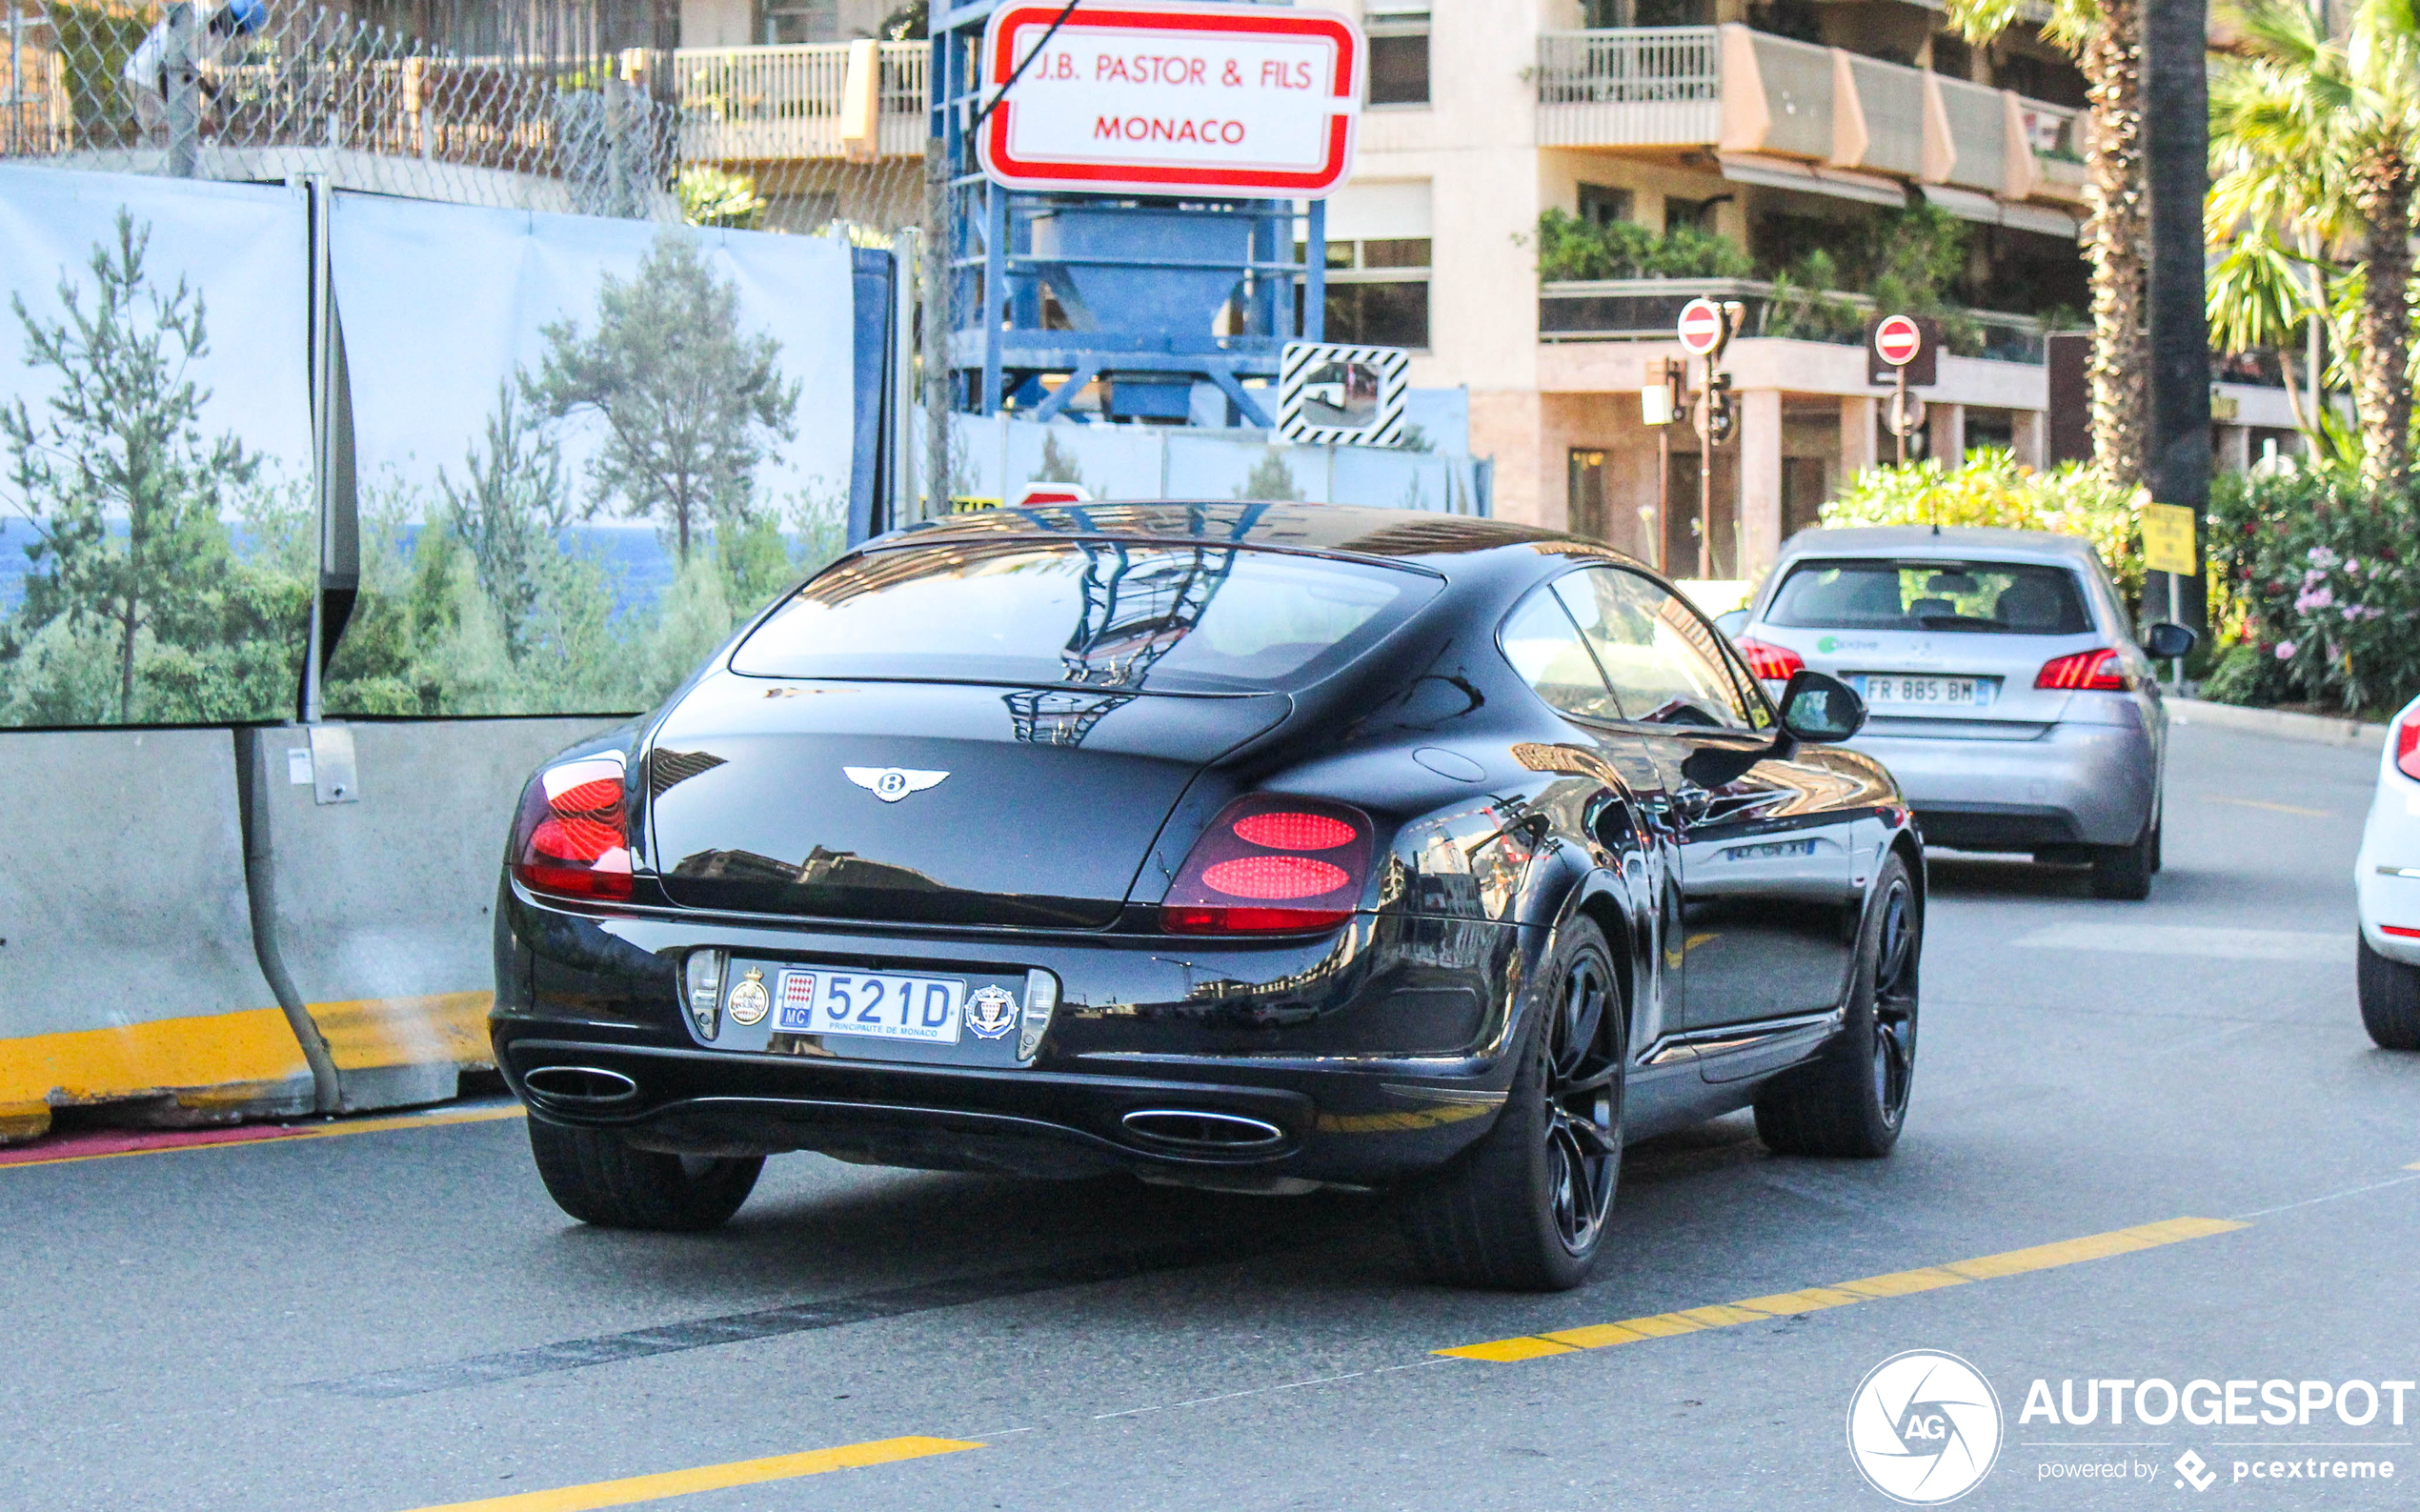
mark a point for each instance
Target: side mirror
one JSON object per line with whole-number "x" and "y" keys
{"x": 1820, "y": 709}
{"x": 2166, "y": 642}
{"x": 1731, "y": 621}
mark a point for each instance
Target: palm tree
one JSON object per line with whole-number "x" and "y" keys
{"x": 2105, "y": 39}
{"x": 2321, "y": 139}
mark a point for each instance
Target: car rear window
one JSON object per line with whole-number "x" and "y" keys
{"x": 2009, "y": 598}
{"x": 1090, "y": 613}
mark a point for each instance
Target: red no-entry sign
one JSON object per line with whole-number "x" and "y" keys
{"x": 1897, "y": 341}
{"x": 1700, "y": 327}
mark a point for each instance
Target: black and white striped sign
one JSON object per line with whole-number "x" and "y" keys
{"x": 1330, "y": 394}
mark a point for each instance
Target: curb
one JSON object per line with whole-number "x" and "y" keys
{"x": 2280, "y": 724}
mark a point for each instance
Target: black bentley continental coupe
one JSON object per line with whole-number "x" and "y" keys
{"x": 1254, "y": 847}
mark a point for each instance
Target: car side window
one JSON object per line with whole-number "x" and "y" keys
{"x": 1667, "y": 664}
{"x": 1544, "y": 647}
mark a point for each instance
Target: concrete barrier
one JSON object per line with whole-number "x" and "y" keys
{"x": 384, "y": 899}
{"x": 127, "y": 971}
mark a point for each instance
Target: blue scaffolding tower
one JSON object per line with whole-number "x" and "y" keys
{"x": 1147, "y": 297}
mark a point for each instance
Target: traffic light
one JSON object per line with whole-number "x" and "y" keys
{"x": 1722, "y": 411}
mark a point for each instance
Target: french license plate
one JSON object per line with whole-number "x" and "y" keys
{"x": 1894, "y": 690}
{"x": 879, "y": 1006}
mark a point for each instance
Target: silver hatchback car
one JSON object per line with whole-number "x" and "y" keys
{"x": 2006, "y": 689}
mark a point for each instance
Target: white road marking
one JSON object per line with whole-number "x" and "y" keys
{"x": 2206, "y": 941}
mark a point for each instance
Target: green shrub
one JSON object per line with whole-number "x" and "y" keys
{"x": 2320, "y": 595}
{"x": 1570, "y": 248}
{"x": 1993, "y": 489}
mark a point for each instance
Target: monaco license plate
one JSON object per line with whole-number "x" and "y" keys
{"x": 878, "y": 1005}
{"x": 1899, "y": 691}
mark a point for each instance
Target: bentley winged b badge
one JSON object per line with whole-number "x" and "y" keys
{"x": 891, "y": 784}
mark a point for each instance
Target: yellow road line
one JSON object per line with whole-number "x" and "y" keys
{"x": 329, "y": 1131}
{"x": 712, "y": 1478}
{"x": 1899, "y": 1283}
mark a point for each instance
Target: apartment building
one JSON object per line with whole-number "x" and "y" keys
{"x": 1779, "y": 128}
{"x": 1775, "y": 129}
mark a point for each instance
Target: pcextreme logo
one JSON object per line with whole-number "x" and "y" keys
{"x": 1923, "y": 1427}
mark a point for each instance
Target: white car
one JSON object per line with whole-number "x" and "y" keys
{"x": 2387, "y": 878}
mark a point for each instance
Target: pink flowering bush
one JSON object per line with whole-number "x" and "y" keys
{"x": 2320, "y": 598}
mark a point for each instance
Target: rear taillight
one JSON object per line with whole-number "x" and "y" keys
{"x": 1771, "y": 663}
{"x": 2407, "y": 745}
{"x": 573, "y": 834}
{"x": 2085, "y": 672}
{"x": 1271, "y": 864}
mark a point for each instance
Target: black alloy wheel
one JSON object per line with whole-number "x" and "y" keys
{"x": 1852, "y": 1100}
{"x": 1524, "y": 1208}
{"x": 1583, "y": 1152}
{"x": 1895, "y": 1005}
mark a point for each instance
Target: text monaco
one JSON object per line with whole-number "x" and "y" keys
{"x": 1159, "y": 129}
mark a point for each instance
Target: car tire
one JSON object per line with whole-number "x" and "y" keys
{"x": 2123, "y": 873}
{"x": 2156, "y": 860}
{"x": 597, "y": 1178}
{"x": 1524, "y": 1209}
{"x": 1852, "y": 1102}
{"x": 2389, "y": 1001}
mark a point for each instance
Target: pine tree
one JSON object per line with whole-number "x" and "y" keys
{"x": 509, "y": 513}
{"x": 690, "y": 403}
{"x": 120, "y": 440}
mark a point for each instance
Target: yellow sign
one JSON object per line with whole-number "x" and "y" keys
{"x": 2168, "y": 539}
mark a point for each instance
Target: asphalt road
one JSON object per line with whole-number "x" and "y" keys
{"x": 399, "y": 1319}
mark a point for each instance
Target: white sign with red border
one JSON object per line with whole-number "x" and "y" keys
{"x": 1219, "y": 100}
{"x": 1897, "y": 340}
{"x": 1702, "y": 326}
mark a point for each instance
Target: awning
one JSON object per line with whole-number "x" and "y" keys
{"x": 1807, "y": 178}
{"x": 1984, "y": 210}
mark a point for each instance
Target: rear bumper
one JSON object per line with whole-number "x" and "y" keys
{"x": 2089, "y": 784}
{"x": 1289, "y": 1127}
{"x": 1359, "y": 1058}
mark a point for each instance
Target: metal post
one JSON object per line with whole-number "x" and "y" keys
{"x": 323, "y": 437}
{"x": 184, "y": 94}
{"x": 1315, "y": 275}
{"x": 1662, "y": 548}
{"x": 1706, "y": 477}
{"x": 995, "y": 305}
{"x": 2175, "y": 617}
{"x": 16, "y": 76}
{"x": 1899, "y": 426}
{"x": 906, "y": 247}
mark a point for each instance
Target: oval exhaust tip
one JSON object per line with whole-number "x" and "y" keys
{"x": 592, "y": 1085}
{"x": 1198, "y": 1129}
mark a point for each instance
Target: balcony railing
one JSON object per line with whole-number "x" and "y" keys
{"x": 768, "y": 103}
{"x": 1647, "y": 309}
{"x": 1636, "y": 86}
{"x": 1784, "y": 111}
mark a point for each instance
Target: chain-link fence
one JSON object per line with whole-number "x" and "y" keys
{"x": 253, "y": 91}
{"x": 806, "y": 138}
{"x": 798, "y": 138}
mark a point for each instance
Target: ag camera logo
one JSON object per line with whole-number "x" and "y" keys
{"x": 1923, "y": 1427}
